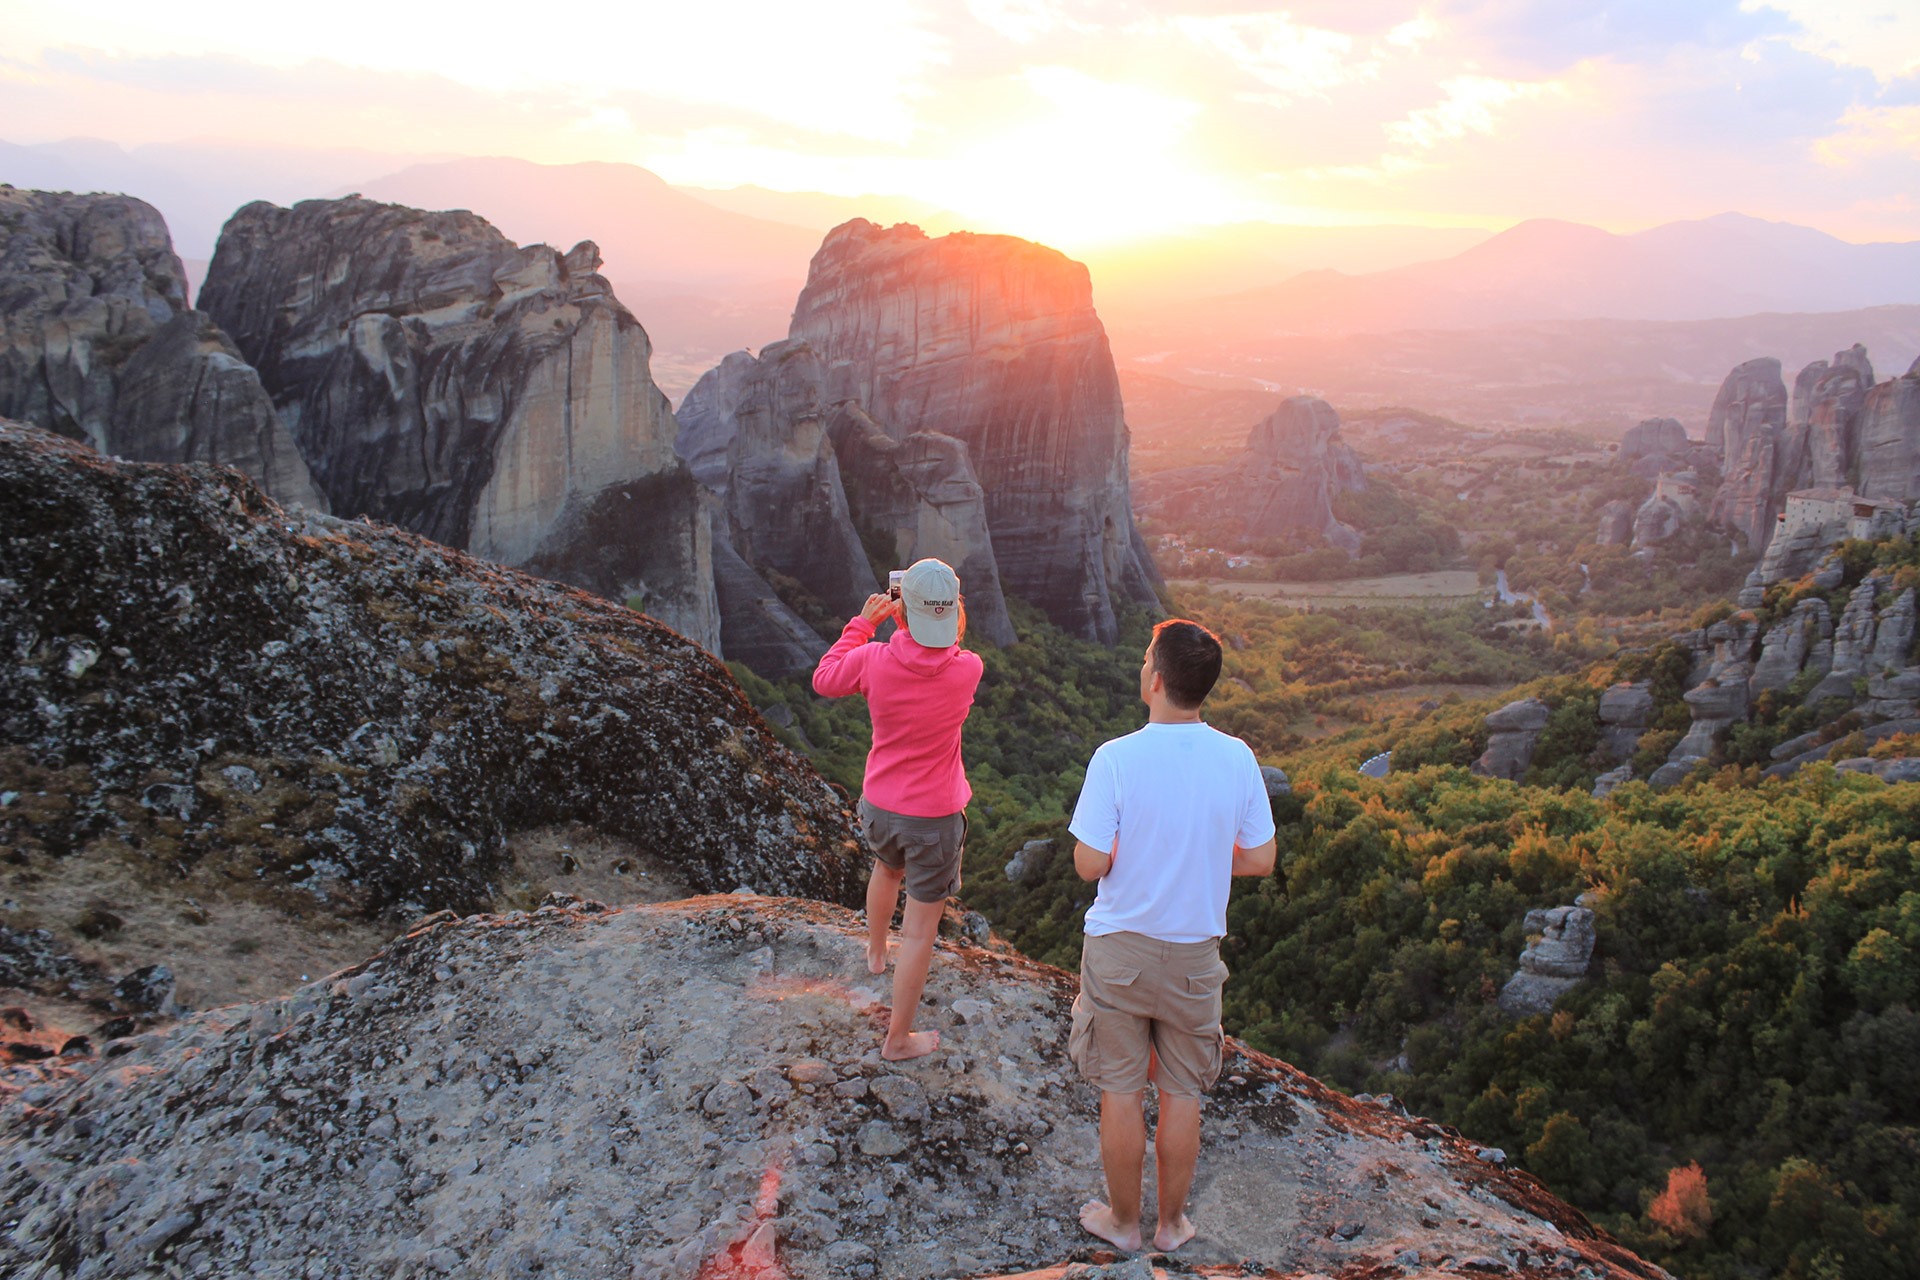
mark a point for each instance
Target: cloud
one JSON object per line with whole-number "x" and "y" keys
{"x": 1472, "y": 105}
{"x": 1871, "y": 135}
{"x": 1289, "y": 60}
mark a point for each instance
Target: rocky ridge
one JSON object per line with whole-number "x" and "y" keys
{"x": 994, "y": 342}
{"x": 98, "y": 343}
{"x": 223, "y": 697}
{"x": 690, "y": 1090}
{"x": 495, "y": 398}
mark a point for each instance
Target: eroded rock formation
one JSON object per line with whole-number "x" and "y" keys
{"x": 495, "y": 398}
{"x": 1625, "y": 712}
{"x": 365, "y": 715}
{"x": 1513, "y": 729}
{"x": 494, "y": 1096}
{"x": 98, "y": 343}
{"x": 1559, "y": 949}
{"x": 993, "y": 341}
{"x": 1745, "y": 425}
{"x": 1282, "y": 484}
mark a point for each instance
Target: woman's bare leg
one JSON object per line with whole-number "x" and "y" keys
{"x": 883, "y": 895}
{"x": 917, "y": 930}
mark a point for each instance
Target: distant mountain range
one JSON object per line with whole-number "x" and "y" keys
{"x": 710, "y": 271}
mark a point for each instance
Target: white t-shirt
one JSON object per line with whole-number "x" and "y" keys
{"x": 1178, "y": 797}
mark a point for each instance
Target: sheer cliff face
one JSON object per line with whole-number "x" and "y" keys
{"x": 1889, "y": 436}
{"x": 98, "y": 343}
{"x": 495, "y": 398}
{"x": 1748, "y": 419}
{"x": 993, "y": 341}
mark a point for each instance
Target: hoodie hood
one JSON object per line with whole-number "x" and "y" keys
{"x": 916, "y": 657}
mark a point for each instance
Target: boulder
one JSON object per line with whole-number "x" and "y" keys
{"x": 1293, "y": 467}
{"x": 993, "y": 341}
{"x": 1625, "y": 711}
{"x": 97, "y": 343}
{"x": 1893, "y": 695}
{"x": 1604, "y": 784}
{"x": 1513, "y": 731}
{"x": 1558, "y": 952}
{"x": 1616, "y": 524}
{"x": 1275, "y": 780}
{"x": 1717, "y": 704}
{"x": 1659, "y": 518}
{"x": 1029, "y": 860}
{"x": 497, "y": 399}
{"x": 1744, "y": 427}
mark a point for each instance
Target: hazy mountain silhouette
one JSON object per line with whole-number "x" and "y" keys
{"x": 1729, "y": 265}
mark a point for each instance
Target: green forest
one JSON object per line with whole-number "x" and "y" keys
{"x": 1735, "y": 1091}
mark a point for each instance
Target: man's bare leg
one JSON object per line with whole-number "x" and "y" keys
{"x": 883, "y": 895}
{"x": 1176, "y": 1150}
{"x": 1123, "y": 1152}
{"x": 910, "y": 967}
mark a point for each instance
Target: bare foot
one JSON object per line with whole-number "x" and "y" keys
{"x": 1098, "y": 1218}
{"x": 918, "y": 1044}
{"x": 1169, "y": 1238}
{"x": 877, "y": 963}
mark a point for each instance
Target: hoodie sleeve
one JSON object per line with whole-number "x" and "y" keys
{"x": 843, "y": 668}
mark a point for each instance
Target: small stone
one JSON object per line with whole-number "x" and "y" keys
{"x": 854, "y": 1088}
{"x": 812, "y": 1071}
{"x": 727, "y": 1097}
{"x": 904, "y": 1099}
{"x": 1348, "y": 1230}
{"x": 878, "y": 1138}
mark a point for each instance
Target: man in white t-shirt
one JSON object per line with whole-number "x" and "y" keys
{"x": 1167, "y": 816}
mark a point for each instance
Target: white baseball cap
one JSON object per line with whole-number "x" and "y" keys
{"x": 930, "y": 592}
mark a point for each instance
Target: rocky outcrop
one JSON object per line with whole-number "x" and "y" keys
{"x": 1559, "y": 949}
{"x": 494, "y": 398}
{"x": 1666, "y": 511}
{"x": 97, "y": 343}
{"x": 785, "y": 504}
{"x": 1745, "y": 427}
{"x": 1889, "y": 434}
{"x": 1513, "y": 730}
{"x": 919, "y": 497}
{"x": 1657, "y": 440}
{"x": 705, "y": 420}
{"x": 1282, "y": 485}
{"x": 1822, "y": 419}
{"x": 494, "y": 1096}
{"x": 339, "y": 716}
{"x": 1294, "y": 465}
{"x": 1029, "y": 861}
{"x": 1625, "y": 712}
{"x": 1616, "y": 524}
{"x": 757, "y": 627}
{"x": 813, "y": 490}
{"x": 993, "y": 341}
{"x": 1800, "y": 642}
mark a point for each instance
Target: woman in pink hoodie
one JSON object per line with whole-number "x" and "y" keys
{"x": 919, "y": 688}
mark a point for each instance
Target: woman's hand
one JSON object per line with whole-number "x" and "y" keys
{"x": 879, "y": 608}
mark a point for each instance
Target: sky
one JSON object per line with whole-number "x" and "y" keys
{"x": 1071, "y": 122}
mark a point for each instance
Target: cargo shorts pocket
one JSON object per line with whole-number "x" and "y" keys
{"x": 1080, "y": 1047}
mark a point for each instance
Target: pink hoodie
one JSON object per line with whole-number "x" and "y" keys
{"x": 918, "y": 698}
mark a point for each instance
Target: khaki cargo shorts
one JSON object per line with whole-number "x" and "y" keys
{"x": 927, "y": 849}
{"x": 1139, "y": 995}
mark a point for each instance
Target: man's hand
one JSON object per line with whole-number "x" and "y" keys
{"x": 879, "y": 608}
{"x": 1257, "y": 861}
{"x": 1089, "y": 863}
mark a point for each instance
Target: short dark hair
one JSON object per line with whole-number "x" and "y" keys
{"x": 1187, "y": 656}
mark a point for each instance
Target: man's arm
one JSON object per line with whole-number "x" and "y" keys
{"x": 1089, "y": 863}
{"x": 1257, "y": 861}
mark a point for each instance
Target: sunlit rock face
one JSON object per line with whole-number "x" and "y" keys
{"x": 497, "y": 399}
{"x": 1824, "y": 413}
{"x": 1889, "y": 435}
{"x": 97, "y": 342}
{"x": 993, "y": 341}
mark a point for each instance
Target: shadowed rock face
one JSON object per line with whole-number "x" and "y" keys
{"x": 97, "y": 343}
{"x": 1748, "y": 417}
{"x": 494, "y": 1096}
{"x": 1889, "y": 434}
{"x": 1827, "y": 397}
{"x": 494, "y": 398}
{"x": 402, "y": 708}
{"x": 993, "y": 341}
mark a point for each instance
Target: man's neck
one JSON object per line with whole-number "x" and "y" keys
{"x": 1167, "y": 713}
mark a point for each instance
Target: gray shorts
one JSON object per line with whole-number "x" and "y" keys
{"x": 927, "y": 849}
